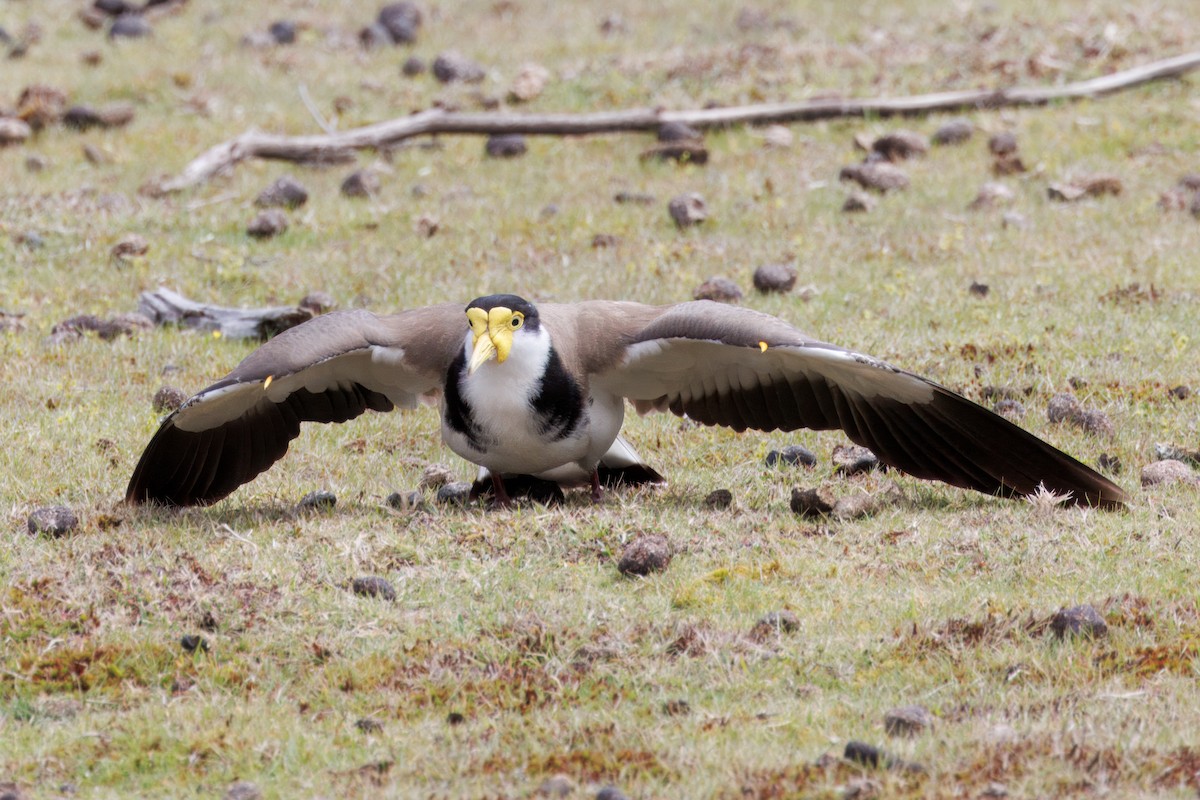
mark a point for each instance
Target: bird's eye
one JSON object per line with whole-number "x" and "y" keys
{"x": 516, "y": 322}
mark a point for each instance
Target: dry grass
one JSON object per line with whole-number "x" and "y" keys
{"x": 518, "y": 621}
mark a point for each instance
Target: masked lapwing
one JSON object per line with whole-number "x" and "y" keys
{"x": 541, "y": 391}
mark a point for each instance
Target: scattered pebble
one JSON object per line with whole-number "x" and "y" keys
{"x": 505, "y": 145}
{"x": 718, "y": 499}
{"x": 107, "y": 329}
{"x": 954, "y": 131}
{"x": 412, "y": 67}
{"x": 556, "y": 786}
{"x": 129, "y": 26}
{"x": 168, "y": 399}
{"x": 267, "y": 223}
{"x": 114, "y": 8}
{"x": 243, "y": 790}
{"x": 129, "y": 246}
{"x": 857, "y": 506}
{"x": 775, "y": 278}
{"x": 1012, "y": 409}
{"x": 427, "y": 226}
{"x": 1110, "y": 463}
{"x": 1003, "y": 143}
{"x": 406, "y": 501}
{"x": 317, "y": 302}
{"x": 687, "y": 209}
{"x": 82, "y": 118}
{"x": 684, "y": 152}
{"x": 979, "y": 289}
{"x": 858, "y": 202}
{"x": 319, "y": 500}
{"x": 722, "y": 290}
{"x": 11, "y": 791}
{"x": 990, "y": 195}
{"x": 452, "y": 66}
{"x": 852, "y": 459}
{"x": 1167, "y": 472}
{"x": 1064, "y": 407}
{"x": 634, "y": 198}
{"x": 773, "y": 624}
{"x": 368, "y": 725}
{"x": 610, "y": 793}
{"x": 677, "y": 708}
{"x": 817, "y": 502}
{"x": 900, "y": 145}
{"x": 530, "y": 82}
{"x": 455, "y": 718}
{"x": 373, "y": 36}
{"x": 879, "y": 176}
{"x": 1008, "y": 164}
{"x": 871, "y": 756}
{"x": 456, "y": 493}
{"x": 52, "y": 521}
{"x": 95, "y": 155}
{"x": 401, "y": 21}
{"x": 373, "y": 586}
{"x": 192, "y": 642}
{"x": 1088, "y": 186}
{"x": 793, "y": 455}
{"x": 13, "y": 131}
{"x": 646, "y": 554}
{"x": 603, "y": 240}
{"x": 907, "y": 721}
{"x": 361, "y": 183}
{"x": 285, "y": 192}
{"x": 1078, "y": 621}
{"x": 40, "y": 105}
{"x": 779, "y": 137}
{"x": 677, "y": 132}
{"x": 435, "y": 476}
{"x": 1181, "y": 392}
{"x": 1167, "y": 452}
{"x": 283, "y": 31}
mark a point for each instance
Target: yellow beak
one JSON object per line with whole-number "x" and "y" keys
{"x": 493, "y": 336}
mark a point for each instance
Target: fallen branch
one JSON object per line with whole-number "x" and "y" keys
{"x": 164, "y": 306}
{"x": 340, "y": 147}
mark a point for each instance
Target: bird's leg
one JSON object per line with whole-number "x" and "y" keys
{"x": 597, "y": 492}
{"x": 499, "y": 494}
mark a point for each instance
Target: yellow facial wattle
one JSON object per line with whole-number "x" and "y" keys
{"x": 493, "y": 331}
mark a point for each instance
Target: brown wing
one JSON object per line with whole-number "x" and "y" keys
{"x": 708, "y": 361}
{"x": 330, "y": 369}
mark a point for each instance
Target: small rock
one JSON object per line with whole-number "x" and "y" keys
{"x": 505, "y": 145}
{"x": 993, "y": 791}
{"x": 1009, "y": 164}
{"x": 793, "y": 455}
{"x": 1003, "y": 143}
{"x": 427, "y": 226}
{"x": 677, "y": 132}
{"x": 613, "y": 24}
{"x": 129, "y": 26}
{"x": 852, "y": 459}
{"x": 81, "y": 118}
{"x": 1181, "y": 392}
{"x": 1062, "y": 407}
{"x": 646, "y": 554}
{"x": 362, "y": 183}
{"x": 435, "y": 476}
{"x": 611, "y": 793}
{"x": 456, "y": 493}
{"x": 634, "y": 198}
{"x": 556, "y": 786}
{"x": 1168, "y": 452}
{"x": 317, "y": 302}
{"x": 856, "y": 506}
{"x": 374, "y": 36}
{"x": 455, "y": 718}
{"x": 1095, "y": 422}
{"x": 320, "y": 500}
{"x": 718, "y": 499}
{"x": 373, "y": 586}
{"x": 775, "y": 278}
{"x": 41, "y": 106}
{"x": 900, "y": 145}
{"x": 114, "y": 8}
{"x": 1190, "y": 181}
{"x": 412, "y": 67}
{"x": 13, "y": 131}
{"x": 991, "y": 194}
{"x": 907, "y": 721}
{"x": 368, "y": 725}
{"x": 1078, "y": 621}
{"x": 778, "y": 136}
{"x": 1088, "y": 186}
{"x": 530, "y": 82}
{"x": 406, "y": 501}
{"x": 130, "y": 245}
{"x": 817, "y": 502}
{"x": 52, "y": 521}
{"x": 879, "y": 176}
{"x": 285, "y": 192}
{"x": 268, "y": 223}
{"x": 95, "y": 155}
{"x": 862, "y": 788}
{"x": 603, "y": 240}
{"x": 192, "y": 642}
{"x": 687, "y": 210}
{"x": 774, "y": 624}
{"x": 243, "y": 790}
{"x": 1167, "y": 472}
{"x": 683, "y": 152}
{"x": 452, "y": 66}
{"x": 858, "y": 202}
{"x": 1176, "y": 199}
{"x": 1110, "y": 463}
{"x": 11, "y": 791}
{"x": 168, "y": 399}
{"x": 955, "y": 131}
{"x": 677, "y": 708}
{"x": 979, "y": 289}
{"x": 1012, "y": 409}
{"x": 283, "y": 31}
{"x": 401, "y": 20}
{"x": 722, "y": 290}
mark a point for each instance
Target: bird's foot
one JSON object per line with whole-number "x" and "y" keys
{"x": 597, "y": 490}
{"x": 500, "y": 497}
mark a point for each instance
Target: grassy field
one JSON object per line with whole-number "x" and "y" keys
{"x": 513, "y": 651}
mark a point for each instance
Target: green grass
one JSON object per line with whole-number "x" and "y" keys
{"x": 518, "y": 620}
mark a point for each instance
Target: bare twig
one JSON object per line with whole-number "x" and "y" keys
{"x": 339, "y": 147}
{"x": 322, "y": 123}
{"x": 167, "y": 307}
